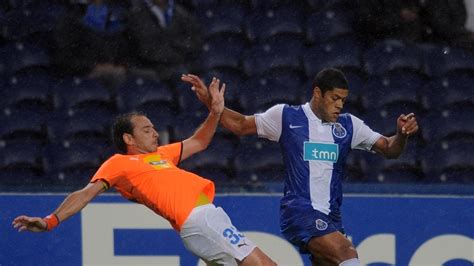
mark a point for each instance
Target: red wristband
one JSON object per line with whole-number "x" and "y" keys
{"x": 51, "y": 221}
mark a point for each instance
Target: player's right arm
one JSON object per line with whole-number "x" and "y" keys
{"x": 236, "y": 122}
{"x": 73, "y": 203}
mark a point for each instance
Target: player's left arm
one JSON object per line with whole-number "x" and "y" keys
{"x": 391, "y": 147}
{"x": 201, "y": 139}
{"x": 73, "y": 203}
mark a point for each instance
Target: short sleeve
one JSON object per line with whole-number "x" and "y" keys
{"x": 269, "y": 123}
{"x": 172, "y": 152}
{"x": 363, "y": 137}
{"x": 109, "y": 172}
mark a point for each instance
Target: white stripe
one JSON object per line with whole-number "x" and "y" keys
{"x": 320, "y": 172}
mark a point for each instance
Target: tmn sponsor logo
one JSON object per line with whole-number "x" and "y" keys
{"x": 321, "y": 151}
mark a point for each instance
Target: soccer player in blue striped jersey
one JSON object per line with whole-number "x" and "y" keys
{"x": 315, "y": 138}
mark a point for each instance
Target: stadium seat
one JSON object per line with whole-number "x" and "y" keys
{"x": 140, "y": 93}
{"x": 404, "y": 169}
{"x": 440, "y": 61}
{"x": 81, "y": 128}
{"x": 327, "y": 25}
{"x": 280, "y": 53}
{"x": 219, "y": 21}
{"x": 223, "y": 52}
{"x": 259, "y": 160}
{"x": 356, "y": 168}
{"x": 262, "y": 93}
{"x": 452, "y": 122}
{"x": 74, "y": 165}
{"x": 28, "y": 127}
{"x": 78, "y": 95}
{"x": 343, "y": 54}
{"x": 450, "y": 161}
{"x": 393, "y": 89}
{"x": 21, "y": 164}
{"x": 447, "y": 91}
{"x": 270, "y": 22}
{"x": 19, "y": 56}
{"x": 186, "y": 124}
{"x": 29, "y": 92}
{"x": 392, "y": 55}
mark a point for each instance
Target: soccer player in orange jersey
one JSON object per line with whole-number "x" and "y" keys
{"x": 149, "y": 175}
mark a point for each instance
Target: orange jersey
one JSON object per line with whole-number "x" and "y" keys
{"x": 155, "y": 181}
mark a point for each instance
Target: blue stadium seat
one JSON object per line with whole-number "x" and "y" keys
{"x": 344, "y": 55}
{"x": 405, "y": 169}
{"x": 392, "y": 55}
{"x": 450, "y": 161}
{"x": 269, "y": 22}
{"x": 393, "y": 89}
{"x": 452, "y": 122}
{"x": 450, "y": 90}
{"x": 74, "y": 165}
{"x": 28, "y": 127}
{"x": 261, "y": 93}
{"x": 280, "y": 53}
{"x": 19, "y": 56}
{"x": 21, "y": 164}
{"x": 141, "y": 93}
{"x": 223, "y": 52}
{"x": 78, "y": 95}
{"x": 259, "y": 160}
{"x": 81, "y": 128}
{"x": 219, "y": 21}
{"x": 440, "y": 61}
{"x": 186, "y": 124}
{"x": 29, "y": 92}
{"x": 327, "y": 25}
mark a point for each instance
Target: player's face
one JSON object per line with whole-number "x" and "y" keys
{"x": 145, "y": 137}
{"x": 330, "y": 105}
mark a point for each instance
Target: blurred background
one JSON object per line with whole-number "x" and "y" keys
{"x": 67, "y": 68}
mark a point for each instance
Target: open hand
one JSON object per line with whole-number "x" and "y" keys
{"x": 32, "y": 224}
{"x": 217, "y": 96}
{"x": 199, "y": 88}
{"x": 407, "y": 125}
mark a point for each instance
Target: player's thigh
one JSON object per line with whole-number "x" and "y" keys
{"x": 334, "y": 247}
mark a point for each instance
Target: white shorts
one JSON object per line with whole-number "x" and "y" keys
{"x": 209, "y": 234}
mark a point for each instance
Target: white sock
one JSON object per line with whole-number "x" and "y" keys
{"x": 351, "y": 262}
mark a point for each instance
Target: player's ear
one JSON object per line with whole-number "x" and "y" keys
{"x": 128, "y": 138}
{"x": 317, "y": 93}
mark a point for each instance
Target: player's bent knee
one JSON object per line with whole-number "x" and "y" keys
{"x": 347, "y": 251}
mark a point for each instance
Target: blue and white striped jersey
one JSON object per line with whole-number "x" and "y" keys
{"x": 314, "y": 152}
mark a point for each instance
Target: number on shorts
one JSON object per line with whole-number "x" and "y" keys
{"x": 233, "y": 235}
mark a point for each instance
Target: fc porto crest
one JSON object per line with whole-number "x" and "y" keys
{"x": 321, "y": 225}
{"x": 339, "y": 131}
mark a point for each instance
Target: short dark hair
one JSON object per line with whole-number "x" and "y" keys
{"x": 329, "y": 79}
{"x": 123, "y": 124}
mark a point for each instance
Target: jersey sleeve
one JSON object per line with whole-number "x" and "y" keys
{"x": 269, "y": 123}
{"x": 172, "y": 151}
{"x": 109, "y": 172}
{"x": 363, "y": 137}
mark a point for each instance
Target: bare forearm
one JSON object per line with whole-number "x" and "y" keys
{"x": 206, "y": 131}
{"x": 73, "y": 203}
{"x": 235, "y": 121}
{"x": 394, "y": 146}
